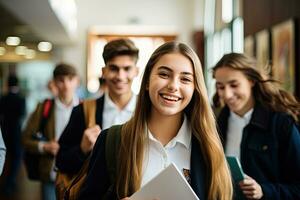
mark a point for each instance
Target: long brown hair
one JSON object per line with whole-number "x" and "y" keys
{"x": 133, "y": 137}
{"x": 266, "y": 91}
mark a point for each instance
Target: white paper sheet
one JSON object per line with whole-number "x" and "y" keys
{"x": 169, "y": 184}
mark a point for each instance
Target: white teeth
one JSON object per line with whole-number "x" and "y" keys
{"x": 172, "y": 98}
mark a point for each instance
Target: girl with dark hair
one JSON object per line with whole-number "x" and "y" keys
{"x": 173, "y": 122}
{"x": 258, "y": 125}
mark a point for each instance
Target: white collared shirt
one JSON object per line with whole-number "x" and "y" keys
{"x": 113, "y": 116}
{"x": 61, "y": 118}
{"x": 62, "y": 115}
{"x": 178, "y": 151}
{"x": 236, "y": 124}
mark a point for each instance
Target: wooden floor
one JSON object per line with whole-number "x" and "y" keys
{"x": 26, "y": 189}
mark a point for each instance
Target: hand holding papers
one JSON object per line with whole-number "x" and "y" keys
{"x": 169, "y": 184}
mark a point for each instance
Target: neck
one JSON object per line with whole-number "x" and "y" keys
{"x": 120, "y": 100}
{"x": 66, "y": 101}
{"x": 165, "y": 128}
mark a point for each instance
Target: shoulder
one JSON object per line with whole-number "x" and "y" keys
{"x": 282, "y": 119}
{"x": 111, "y": 134}
{"x": 284, "y": 125}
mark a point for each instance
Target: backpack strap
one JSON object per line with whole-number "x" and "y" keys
{"x": 112, "y": 143}
{"x": 89, "y": 110}
{"x": 47, "y": 108}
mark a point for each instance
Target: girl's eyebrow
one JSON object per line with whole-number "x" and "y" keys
{"x": 169, "y": 69}
{"x": 229, "y": 82}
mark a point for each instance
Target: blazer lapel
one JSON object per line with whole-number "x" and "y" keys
{"x": 199, "y": 173}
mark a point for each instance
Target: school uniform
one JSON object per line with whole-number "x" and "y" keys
{"x": 269, "y": 151}
{"x": 70, "y": 157}
{"x": 97, "y": 183}
{"x": 57, "y": 120}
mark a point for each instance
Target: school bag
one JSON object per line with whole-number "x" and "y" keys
{"x": 68, "y": 187}
{"x": 64, "y": 180}
{"x": 32, "y": 160}
{"x": 111, "y": 150}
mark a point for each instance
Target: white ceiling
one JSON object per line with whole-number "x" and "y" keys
{"x": 35, "y": 19}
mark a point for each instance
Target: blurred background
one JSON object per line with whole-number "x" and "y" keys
{"x": 37, "y": 34}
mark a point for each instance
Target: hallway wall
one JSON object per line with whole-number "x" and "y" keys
{"x": 179, "y": 15}
{"x": 267, "y": 14}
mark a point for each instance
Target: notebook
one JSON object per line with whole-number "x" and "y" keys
{"x": 169, "y": 184}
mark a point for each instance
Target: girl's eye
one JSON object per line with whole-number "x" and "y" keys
{"x": 220, "y": 87}
{"x": 186, "y": 80}
{"x": 234, "y": 85}
{"x": 163, "y": 74}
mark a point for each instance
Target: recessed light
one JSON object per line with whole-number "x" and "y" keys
{"x": 45, "y": 46}
{"x": 2, "y": 51}
{"x": 21, "y": 50}
{"x": 30, "y": 54}
{"x": 13, "y": 41}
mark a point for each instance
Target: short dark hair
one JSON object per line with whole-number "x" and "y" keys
{"x": 101, "y": 80}
{"x": 119, "y": 47}
{"x": 63, "y": 69}
{"x": 12, "y": 81}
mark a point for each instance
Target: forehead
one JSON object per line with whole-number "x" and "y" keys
{"x": 227, "y": 74}
{"x": 175, "y": 62}
{"x": 122, "y": 61}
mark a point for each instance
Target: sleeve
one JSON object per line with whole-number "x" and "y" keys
{"x": 2, "y": 153}
{"x": 70, "y": 158}
{"x": 32, "y": 127}
{"x": 288, "y": 186}
{"x": 97, "y": 182}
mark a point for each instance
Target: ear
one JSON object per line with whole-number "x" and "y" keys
{"x": 137, "y": 70}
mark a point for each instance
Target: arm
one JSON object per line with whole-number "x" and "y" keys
{"x": 32, "y": 127}
{"x": 288, "y": 186}
{"x": 97, "y": 181}
{"x": 70, "y": 157}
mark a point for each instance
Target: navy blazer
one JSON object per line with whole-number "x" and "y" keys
{"x": 70, "y": 158}
{"x": 270, "y": 151}
{"x": 97, "y": 182}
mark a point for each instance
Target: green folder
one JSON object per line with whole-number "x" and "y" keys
{"x": 235, "y": 168}
{"x": 237, "y": 176}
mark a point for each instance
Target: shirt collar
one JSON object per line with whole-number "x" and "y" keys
{"x": 109, "y": 104}
{"x": 246, "y": 117}
{"x": 183, "y": 136}
{"x": 60, "y": 105}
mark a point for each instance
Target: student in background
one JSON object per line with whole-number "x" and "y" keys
{"x": 2, "y": 152}
{"x": 114, "y": 107}
{"x": 258, "y": 125}
{"x": 12, "y": 113}
{"x": 66, "y": 81}
{"x": 173, "y": 122}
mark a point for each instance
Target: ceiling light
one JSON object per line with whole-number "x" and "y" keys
{"x": 21, "y": 50}
{"x": 45, "y": 46}
{"x": 13, "y": 41}
{"x": 2, "y": 51}
{"x": 30, "y": 54}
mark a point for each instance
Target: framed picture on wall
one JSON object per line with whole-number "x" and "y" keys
{"x": 249, "y": 44}
{"x": 263, "y": 48}
{"x": 283, "y": 44}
